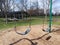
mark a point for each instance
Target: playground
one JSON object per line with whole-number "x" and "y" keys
{"x": 36, "y": 36}
{"x": 29, "y": 24}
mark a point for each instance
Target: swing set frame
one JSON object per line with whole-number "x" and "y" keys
{"x": 50, "y": 19}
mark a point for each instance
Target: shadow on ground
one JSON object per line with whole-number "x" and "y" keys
{"x": 31, "y": 40}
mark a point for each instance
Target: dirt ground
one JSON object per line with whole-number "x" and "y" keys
{"x": 35, "y": 37}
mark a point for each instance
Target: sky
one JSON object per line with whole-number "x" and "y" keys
{"x": 56, "y": 5}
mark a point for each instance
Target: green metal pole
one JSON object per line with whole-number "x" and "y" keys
{"x": 50, "y": 21}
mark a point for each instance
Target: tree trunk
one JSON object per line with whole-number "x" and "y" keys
{"x": 22, "y": 16}
{"x": 6, "y": 18}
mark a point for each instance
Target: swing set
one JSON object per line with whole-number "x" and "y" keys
{"x": 29, "y": 28}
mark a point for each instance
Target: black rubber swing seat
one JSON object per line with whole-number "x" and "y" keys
{"x": 24, "y": 33}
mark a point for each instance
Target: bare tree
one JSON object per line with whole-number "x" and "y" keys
{"x": 34, "y": 6}
{"x": 6, "y": 10}
{"x": 23, "y": 6}
{"x": 0, "y": 5}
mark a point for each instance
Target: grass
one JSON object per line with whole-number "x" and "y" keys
{"x": 34, "y": 21}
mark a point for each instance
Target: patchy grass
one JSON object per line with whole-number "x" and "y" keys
{"x": 33, "y": 21}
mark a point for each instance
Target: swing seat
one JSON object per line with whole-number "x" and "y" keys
{"x": 47, "y": 30}
{"x": 24, "y": 33}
